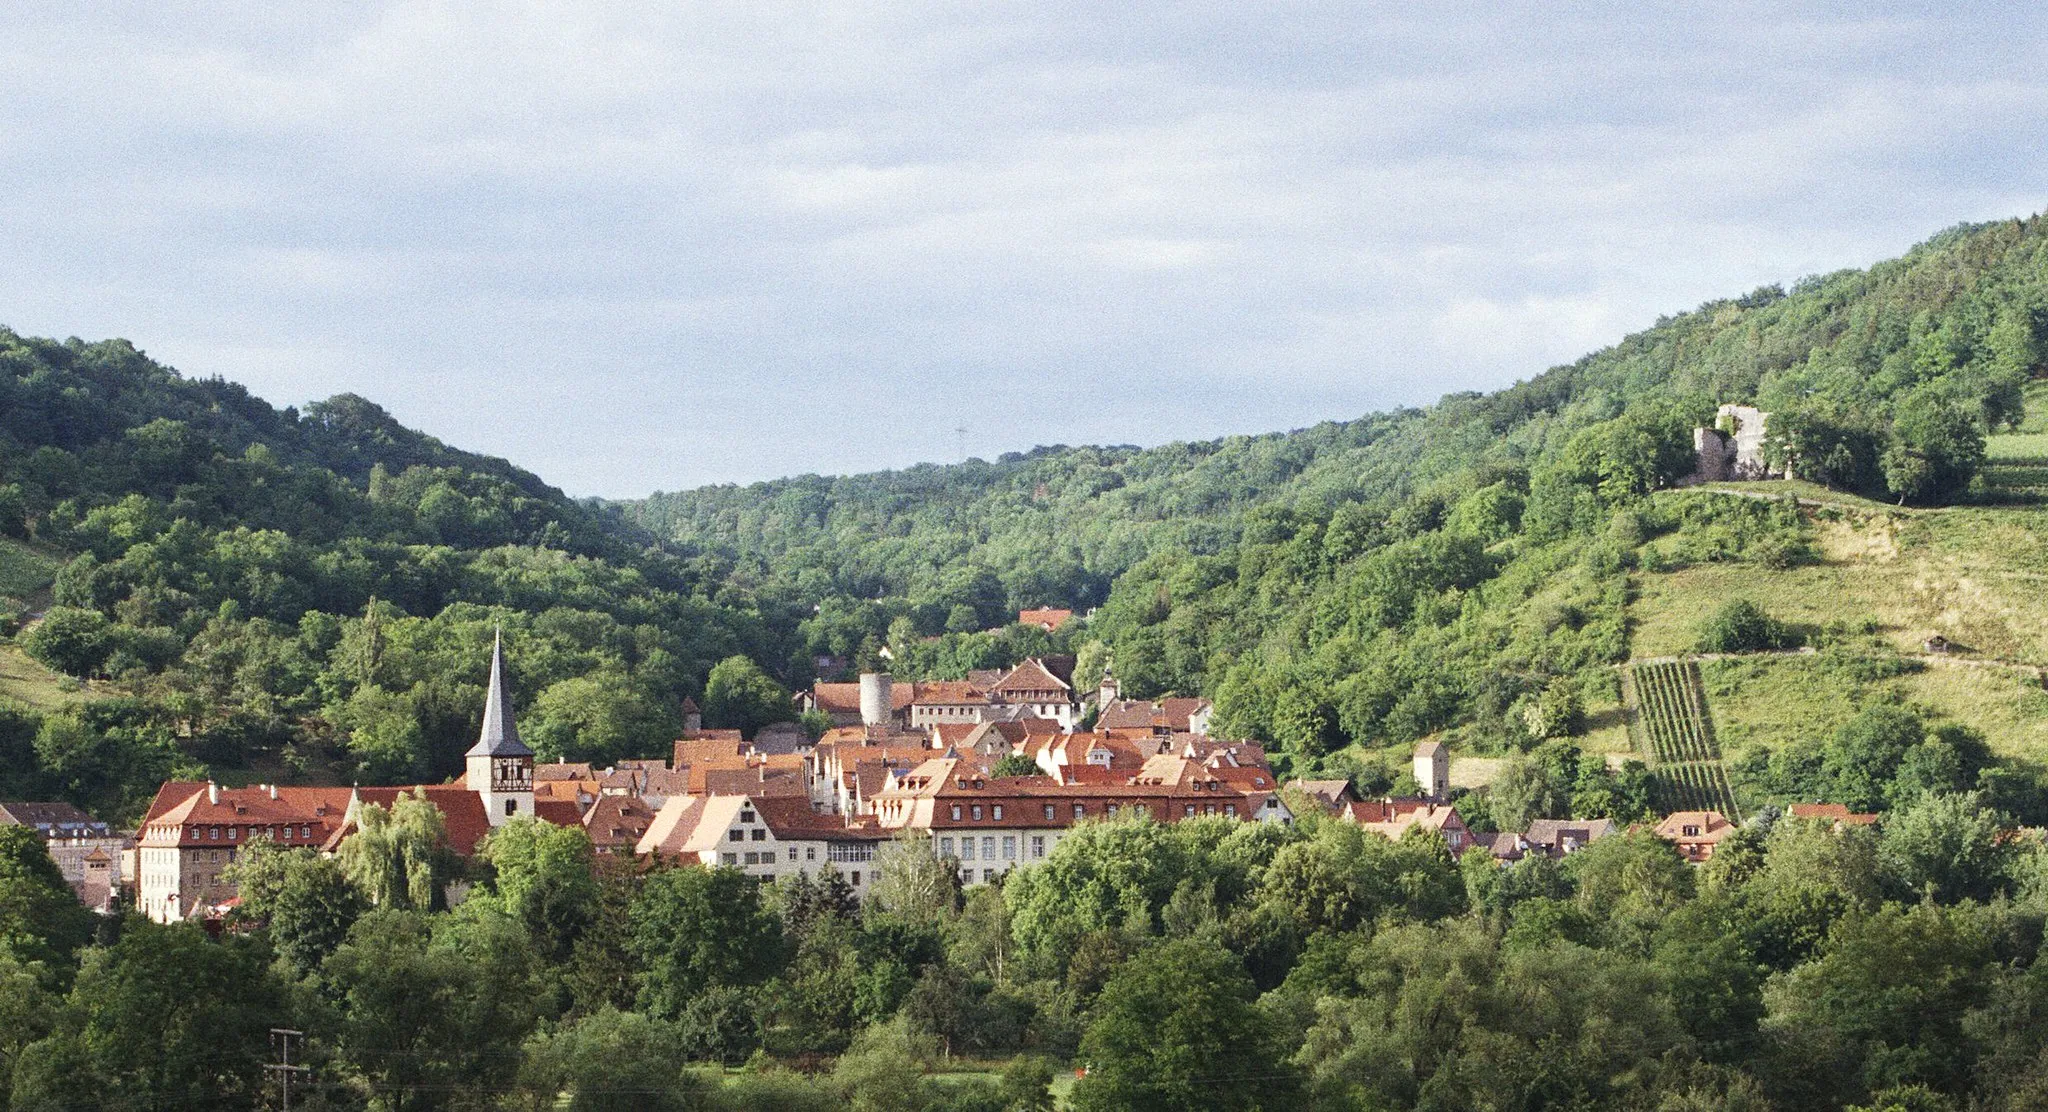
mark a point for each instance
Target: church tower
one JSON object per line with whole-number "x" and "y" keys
{"x": 500, "y": 766}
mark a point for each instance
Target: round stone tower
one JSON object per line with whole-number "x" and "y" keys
{"x": 876, "y": 706}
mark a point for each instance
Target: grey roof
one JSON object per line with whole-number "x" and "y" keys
{"x": 500, "y": 735}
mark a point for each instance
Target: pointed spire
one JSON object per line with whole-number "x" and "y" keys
{"x": 500, "y": 735}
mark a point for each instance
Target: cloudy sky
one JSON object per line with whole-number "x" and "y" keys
{"x": 640, "y": 246}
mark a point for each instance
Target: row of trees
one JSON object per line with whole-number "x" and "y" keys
{"x": 1209, "y": 964}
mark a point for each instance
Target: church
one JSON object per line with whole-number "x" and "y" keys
{"x": 194, "y": 830}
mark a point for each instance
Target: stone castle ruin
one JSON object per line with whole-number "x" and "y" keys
{"x": 1733, "y": 449}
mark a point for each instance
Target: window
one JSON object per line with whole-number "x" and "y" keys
{"x": 232, "y": 831}
{"x": 988, "y": 847}
{"x": 1230, "y": 809}
{"x": 850, "y": 851}
{"x": 1038, "y": 845}
{"x": 988, "y": 876}
{"x": 728, "y": 858}
{"x": 1048, "y": 812}
{"x": 1080, "y": 810}
{"x": 213, "y": 834}
{"x": 810, "y": 853}
{"x": 966, "y": 849}
{"x": 977, "y": 812}
{"x": 305, "y": 831}
{"x": 967, "y": 876}
{"x": 1189, "y": 810}
{"x": 746, "y": 816}
{"x": 999, "y": 812}
{"x": 1009, "y": 847}
{"x": 760, "y": 835}
{"x": 735, "y": 835}
{"x": 1208, "y": 808}
{"x": 856, "y": 878}
{"x": 792, "y": 853}
{"x": 1111, "y": 810}
{"x": 511, "y": 807}
{"x": 956, "y": 812}
{"x": 945, "y": 847}
{"x": 753, "y": 858}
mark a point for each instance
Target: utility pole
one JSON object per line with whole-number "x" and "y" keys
{"x": 283, "y": 1068}
{"x": 962, "y": 431}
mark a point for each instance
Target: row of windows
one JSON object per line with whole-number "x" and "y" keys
{"x": 964, "y": 848}
{"x": 736, "y": 835}
{"x": 973, "y": 811}
{"x": 767, "y": 857}
{"x": 277, "y": 833}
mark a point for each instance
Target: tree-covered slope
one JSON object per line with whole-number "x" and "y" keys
{"x": 270, "y": 592}
{"x": 1377, "y": 580}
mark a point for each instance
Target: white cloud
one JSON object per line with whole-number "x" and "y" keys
{"x": 651, "y": 244}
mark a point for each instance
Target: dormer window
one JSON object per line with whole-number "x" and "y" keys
{"x": 977, "y": 812}
{"x": 1048, "y": 812}
{"x": 956, "y": 812}
{"x": 999, "y": 812}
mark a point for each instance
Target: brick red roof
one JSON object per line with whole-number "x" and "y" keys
{"x": 462, "y": 811}
{"x": 1048, "y": 617}
{"x": 844, "y": 698}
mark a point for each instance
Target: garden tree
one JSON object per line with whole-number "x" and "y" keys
{"x": 400, "y": 858}
{"x": 1104, "y": 875}
{"x": 1882, "y": 1006}
{"x": 1741, "y": 626}
{"x": 601, "y": 970}
{"x": 700, "y": 929}
{"x": 27, "y": 1007}
{"x": 164, "y": 1016}
{"x": 1016, "y": 764}
{"x": 1937, "y": 447}
{"x": 1866, "y": 752}
{"x": 914, "y": 881}
{"x": 1438, "y": 1018}
{"x": 73, "y": 641}
{"x": 545, "y": 875}
{"x": 883, "y": 1070}
{"x": 611, "y": 1060}
{"x": 1341, "y": 877}
{"x": 41, "y": 920}
{"x": 601, "y": 718}
{"x": 739, "y": 695}
{"x": 1947, "y": 846}
{"x": 384, "y": 734}
{"x": 1176, "y": 1028}
{"x": 303, "y": 901}
{"x": 1525, "y": 789}
{"x": 1629, "y": 883}
{"x": 1810, "y": 876}
{"x": 426, "y": 1008}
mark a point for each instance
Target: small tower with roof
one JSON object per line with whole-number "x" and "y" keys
{"x": 500, "y": 766}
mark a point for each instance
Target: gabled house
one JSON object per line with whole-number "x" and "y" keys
{"x": 1695, "y": 833}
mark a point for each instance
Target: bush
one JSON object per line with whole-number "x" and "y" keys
{"x": 1741, "y": 626}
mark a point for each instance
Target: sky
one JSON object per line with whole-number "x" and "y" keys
{"x": 648, "y": 246}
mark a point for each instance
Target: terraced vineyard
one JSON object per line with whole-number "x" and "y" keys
{"x": 1670, "y": 716}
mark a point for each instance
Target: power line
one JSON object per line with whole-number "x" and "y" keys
{"x": 283, "y": 1069}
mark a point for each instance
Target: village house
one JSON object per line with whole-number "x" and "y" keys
{"x": 766, "y": 838}
{"x": 1165, "y": 717}
{"x": 1394, "y": 818}
{"x": 991, "y": 825}
{"x": 1695, "y": 833}
{"x": 1048, "y": 619}
{"x": 87, "y": 851}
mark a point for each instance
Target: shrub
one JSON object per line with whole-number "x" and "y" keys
{"x": 1741, "y": 626}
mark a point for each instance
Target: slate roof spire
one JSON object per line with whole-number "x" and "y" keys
{"x": 500, "y": 736}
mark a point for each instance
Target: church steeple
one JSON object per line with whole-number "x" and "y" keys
{"x": 500, "y": 735}
{"x": 500, "y": 766}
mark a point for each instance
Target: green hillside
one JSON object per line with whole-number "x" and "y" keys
{"x": 1347, "y": 589}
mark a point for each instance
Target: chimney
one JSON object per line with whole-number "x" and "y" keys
{"x": 212, "y": 792}
{"x": 273, "y": 791}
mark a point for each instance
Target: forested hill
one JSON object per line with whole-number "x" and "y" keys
{"x": 1381, "y": 579}
{"x": 255, "y": 592}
